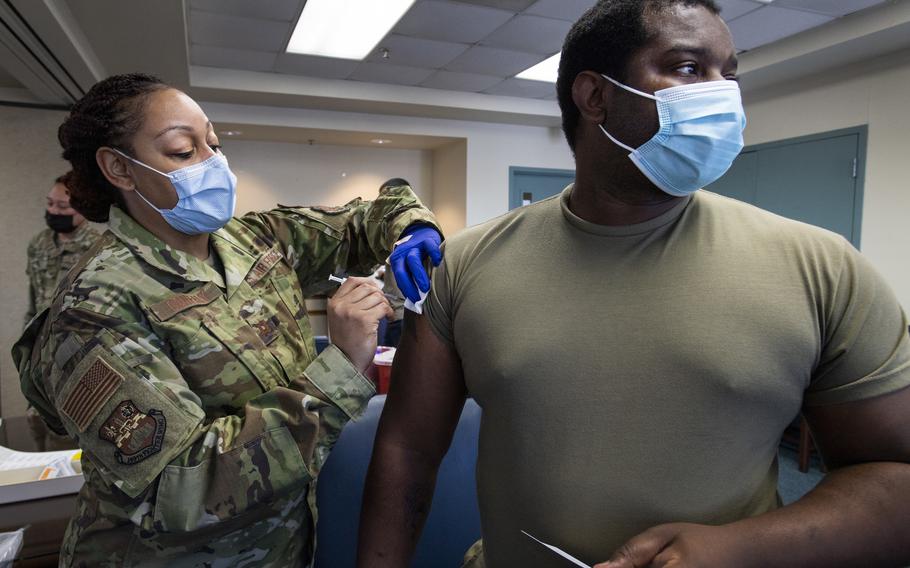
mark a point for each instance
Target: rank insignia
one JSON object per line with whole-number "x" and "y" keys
{"x": 137, "y": 435}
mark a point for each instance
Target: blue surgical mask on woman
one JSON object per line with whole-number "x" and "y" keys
{"x": 700, "y": 134}
{"x": 206, "y": 195}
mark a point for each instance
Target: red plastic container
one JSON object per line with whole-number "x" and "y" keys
{"x": 383, "y": 377}
{"x": 382, "y": 364}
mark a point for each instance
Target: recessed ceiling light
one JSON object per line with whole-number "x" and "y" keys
{"x": 381, "y": 141}
{"x": 346, "y": 29}
{"x": 547, "y": 70}
{"x": 230, "y": 132}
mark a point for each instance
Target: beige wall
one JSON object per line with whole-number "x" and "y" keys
{"x": 269, "y": 173}
{"x": 29, "y": 162}
{"x": 873, "y": 93}
{"x": 450, "y": 186}
{"x": 491, "y": 148}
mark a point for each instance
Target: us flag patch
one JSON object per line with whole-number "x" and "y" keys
{"x": 94, "y": 389}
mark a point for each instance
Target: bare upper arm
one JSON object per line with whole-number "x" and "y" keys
{"x": 427, "y": 392}
{"x": 876, "y": 429}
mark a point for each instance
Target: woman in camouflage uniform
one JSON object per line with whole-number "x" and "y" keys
{"x": 179, "y": 352}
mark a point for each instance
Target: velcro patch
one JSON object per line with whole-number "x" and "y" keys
{"x": 166, "y": 309}
{"x": 91, "y": 392}
{"x": 70, "y": 346}
{"x": 263, "y": 265}
{"x": 330, "y": 210}
{"x": 137, "y": 435}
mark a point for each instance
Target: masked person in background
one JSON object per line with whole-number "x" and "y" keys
{"x": 179, "y": 351}
{"x": 51, "y": 253}
{"x": 637, "y": 418}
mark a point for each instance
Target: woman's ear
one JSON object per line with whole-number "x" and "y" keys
{"x": 590, "y": 97}
{"x": 115, "y": 168}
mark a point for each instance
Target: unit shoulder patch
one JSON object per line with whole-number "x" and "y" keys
{"x": 137, "y": 435}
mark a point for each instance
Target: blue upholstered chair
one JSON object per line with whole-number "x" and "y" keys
{"x": 454, "y": 521}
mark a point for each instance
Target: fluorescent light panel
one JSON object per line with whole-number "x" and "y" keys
{"x": 547, "y": 70}
{"x": 346, "y": 29}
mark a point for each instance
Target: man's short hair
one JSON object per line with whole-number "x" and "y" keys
{"x": 602, "y": 40}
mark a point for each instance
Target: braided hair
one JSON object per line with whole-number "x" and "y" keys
{"x": 108, "y": 115}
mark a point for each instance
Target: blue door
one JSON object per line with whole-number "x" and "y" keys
{"x": 815, "y": 179}
{"x": 530, "y": 185}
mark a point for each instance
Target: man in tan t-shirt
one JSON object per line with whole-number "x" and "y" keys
{"x": 639, "y": 346}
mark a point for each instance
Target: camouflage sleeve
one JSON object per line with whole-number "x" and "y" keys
{"x": 146, "y": 434}
{"x": 351, "y": 239}
{"x": 30, "y": 312}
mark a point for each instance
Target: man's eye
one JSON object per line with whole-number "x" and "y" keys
{"x": 688, "y": 69}
{"x": 183, "y": 155}
{"x": 216, "y": 147}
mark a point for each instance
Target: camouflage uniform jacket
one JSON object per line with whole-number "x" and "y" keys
{"x": 197, "y": 396}
{"x": 49, "y": 259}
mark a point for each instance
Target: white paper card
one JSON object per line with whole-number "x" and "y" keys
{"x": 562, "y": 553}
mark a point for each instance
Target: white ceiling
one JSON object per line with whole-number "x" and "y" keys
{"x": 7, "y": 80}
{"x": 322, "y": 137}
{"x": 457, "y": 45}
{"x": 448, "y": 59}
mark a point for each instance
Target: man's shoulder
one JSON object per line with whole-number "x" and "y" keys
{"x": 762, "y": 226}
{"x": 514, "y": 227}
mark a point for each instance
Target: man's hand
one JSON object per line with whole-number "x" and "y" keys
{"x": 417, "y": 243}
{"x": 677, "y": 545}
{"x": 354, "y": 313}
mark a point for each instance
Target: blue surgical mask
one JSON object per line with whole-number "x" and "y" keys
{"x": 206, "y": 195}
{"x": 700, "y": 134}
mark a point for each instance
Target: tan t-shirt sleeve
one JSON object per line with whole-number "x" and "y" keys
{"x": 439, "y": 305}
{"x": 867, "y": 347}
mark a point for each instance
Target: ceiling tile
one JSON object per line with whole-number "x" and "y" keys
{"x": 493, "y": 61}
{"x": 209, "y": 28}
{"x": 388, "y": 73}
{"x": 7, "y": 80}
{"x": 228, "y": 58}
{"x": 282, "y": 10}
{"x": 510, "y": 5}
{"x": 569, "y": 10}
{"x": 522, "y": 88}
{"x": 769, "y": 24}
{"x": 450, "y": 81}
{"x": 534, "y": 34}
{"x": 314, "y": 66}
{"x": 829, "y": 7}
{"x": 416, "y": 52}
{"x": 444, "y": 21}
{"x": 731, "y": 9}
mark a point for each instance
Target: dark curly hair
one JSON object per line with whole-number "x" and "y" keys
{"x": 107, "y": 115}
{"x": 602, "y": 40}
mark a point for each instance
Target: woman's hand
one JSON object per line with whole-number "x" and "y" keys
{"x": 354, "y": 313}
{"x": 418, "y": 242}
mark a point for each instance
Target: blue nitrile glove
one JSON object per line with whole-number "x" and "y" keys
{"x": 417, "y": 243}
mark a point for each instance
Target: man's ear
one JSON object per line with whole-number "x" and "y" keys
{"x": 590, "y": 96}
{"x": 115, "y": 168}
